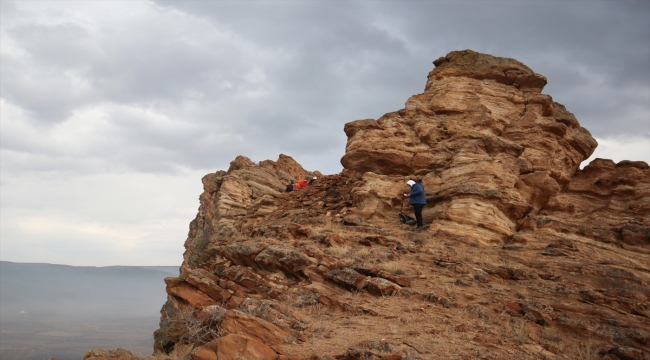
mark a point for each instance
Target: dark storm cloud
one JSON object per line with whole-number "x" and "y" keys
{"x": 197, "y": 83}
{"x": 333, "y": 65}
{"x": 592, "y": 52}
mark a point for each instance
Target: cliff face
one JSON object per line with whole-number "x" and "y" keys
{"x": 525, "y": 256}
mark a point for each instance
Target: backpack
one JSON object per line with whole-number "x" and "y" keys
{"x": 405, "y": 219}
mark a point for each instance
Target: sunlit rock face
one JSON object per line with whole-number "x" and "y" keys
{"x": 523, "y": 255}
{"x": 490, "y": 148}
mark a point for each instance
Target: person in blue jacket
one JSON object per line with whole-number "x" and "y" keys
{"x": 418, "y": 199}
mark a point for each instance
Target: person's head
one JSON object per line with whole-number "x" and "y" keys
{"x": 410, "y": 183}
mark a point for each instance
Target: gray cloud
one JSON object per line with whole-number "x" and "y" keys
{"x": 601, "y": 44}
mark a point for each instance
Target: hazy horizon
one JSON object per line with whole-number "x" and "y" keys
{"x": 90, "y": 266}
{"x": 63, "y": 311}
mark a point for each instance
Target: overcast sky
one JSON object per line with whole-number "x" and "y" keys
{"x": 112, "y": 111}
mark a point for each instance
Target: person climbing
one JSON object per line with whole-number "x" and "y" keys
{"x": 418, "y": 199}
{"x": 312, "y": 180}
{"x": 289, "y": 187}
{"x": 301, "y": 184}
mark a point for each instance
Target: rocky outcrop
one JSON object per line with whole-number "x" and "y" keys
{"x": 490, "y": 148}
{"x": 524, "y": 256}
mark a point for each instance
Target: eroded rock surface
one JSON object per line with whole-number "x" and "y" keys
{"x": 525, "y": 255}
{"x": 491, "y": 149}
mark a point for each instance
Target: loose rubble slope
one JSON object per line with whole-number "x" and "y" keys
{"x": 524, "y": 257}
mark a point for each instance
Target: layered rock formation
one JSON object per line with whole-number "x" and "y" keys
{"x": 490, "y": 148}
{"x": 525, "y": 255}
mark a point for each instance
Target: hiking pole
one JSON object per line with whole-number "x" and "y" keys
{"x": 401, "y": 208}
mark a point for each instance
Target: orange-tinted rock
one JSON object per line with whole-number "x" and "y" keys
{"x": 349, "y": 278}
{"x": 235, "y": 322}
{"x": 486, "y": 340}
{"x": 116, "y": 354}
{"x": 195, "y": 297}
{"x": 533, "y": 331}
{"x": 537, "y": 317}
{"x": 401, "y": 280}
{"x": 513, "y": 309}
{"x": 285, "y": 258}
{"x": 382, "y": 287}
{"x": 234, "y": 347}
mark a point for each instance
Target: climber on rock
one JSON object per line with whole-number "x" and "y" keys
{"x": 418, "y": 199}
{"x": 301, "y": 184}
{"x": 312, "y": 180}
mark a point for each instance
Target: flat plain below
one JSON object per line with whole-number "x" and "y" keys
{"x": 44, "y": 338}
{"x": 63, "y": 311}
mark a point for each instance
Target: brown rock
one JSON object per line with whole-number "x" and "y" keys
{"x": 381, "y": 287}
{"x": 349, "y": 278}
{"x": 486, "y": 340}
{"x": 366, "y": 269}
{"x": 232, "y": 347}
{"x": 205, "y": 282}
{"x": 195, "y": 297}
{"x": 235, "y": 322}
{"x": 284, "y": 258}
{"x": 533, "y": 331}
{"x": 244, "y": 252}
{"x": 393, "y": 357}
{"x": 513, "y": 309}
{"x": 629, "y": 353}
{"x": 116, "y": 354}
{"x": 537, "y": 350}
{"x": 335, "y": 239}
{"x": 401, "y": 280}
{"x": 352, "y": 221}
{"x": 537, "y": 317}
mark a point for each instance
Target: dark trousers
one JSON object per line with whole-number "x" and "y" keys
{"x": 417, "y": 209}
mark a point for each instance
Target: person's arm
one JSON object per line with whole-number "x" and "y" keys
{"x": 417, "y": 190}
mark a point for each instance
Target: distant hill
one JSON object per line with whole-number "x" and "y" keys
{"x": 63, "y": 311}
{"x": 80, "y": 291}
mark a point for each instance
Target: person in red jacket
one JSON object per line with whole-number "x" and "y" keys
{"x": 301, "y": 184}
